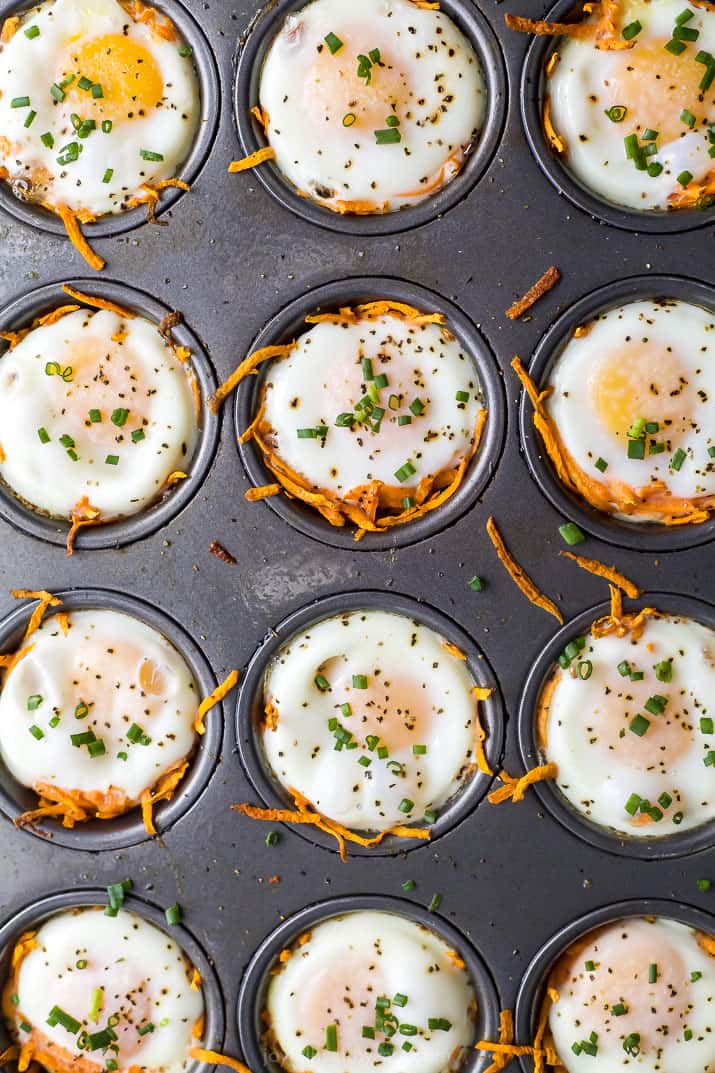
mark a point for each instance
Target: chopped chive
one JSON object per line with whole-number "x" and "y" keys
{"x": 78, "y": 740}
{"x": 656, "y": 704}
{"x": 652, "y": 973}
{"x": 462, "y": 396}
{"x": 654, "y": 170}
{"x": 417, "y": 407}
{"x": 29, "y": 118}
{"x": 107, "y": 177}
{"x": 632, "y": 804}
{"x": 119, "y": 417}
{"x": 364, "y": 761}
{"x": 106, "y": 126}
{"x": 112, "y": 460}
{"x": 85, "y": 83}
{"x": 34, "y": 702}
{"x": 584, "y": 669}
{"x": 389, "y": 136}
{"x": 664, "y": 670}
{"x": 43, "y": 435}
{"x": 571, "y": 533}
{"x": 309, "y": 1052}
{"x": 685, "y": 33}
{"x": 272, "y": 839}
{"x": 145, "y": 1029}
{"x": 688, "y": 118}
{"x": 601, "y": 464}
{"x": 173, "y": 913}
{"x": 57, "y": 92}
{"x": 408, "y": 884}
{"x": 676, "y": 48}
{"x": 57, "y": 1016}
{"x": 20, "y": 102}
{"x": 419, "y": 750}
{"x": 631, "y": 1045}
{"x": 649, "y": 135}
{"x": 706, "y": 725}
{"x": 476, "y": 583}
{"x": 96, "y": 748}
{"x": 406, "y": 805}
{"x": 685, "y": 177}
{"x": 381, "y": 380}
{"x": 346, "y": 709}
{"x": 185, "y": 50}
{"x": 97, "y": 91}
{"x": 435, "y": 903}
{"x": 631, "y": 30}
{"x": 678, "y": 458}
{"x": 617, "y": 113}
{"x": 405, "y": 472}
{"x": 678, "y": 818}
{"x": 359, "y": 681}
{"x": 95, "y": 416}
{"x": 704, "y": 885}
{"x": 333, "y": 42}
{"x": 619, "y": 1009}
{"x": 636, "y": 676}
{"x": 331, "y": 1038}
{"x": 386, "y": 1049}
{"x": 36, "y": 732}
{"x": 54, "y": 721}
{"x": 148, "y": 154}
{"x": 636, "y": 449}
{"x": 639, "y": 725}
{"x": 665, "y": 800}
{"x": 404, "y": 419}
{"x": 590, "y": 966}
{"x": 47, "y": 139}
{"x": 322, "y": 683}
{"x": 32, "y": 32}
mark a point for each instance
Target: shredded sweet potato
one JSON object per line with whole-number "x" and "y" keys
{"x": 98, "y": 303}
{"x": 514, "y": 789}
{"x": 556, "y": 141}
{"x": 345, "y": 207}
{"x": 620, "y": 624}
{"x": 261, "y": 117}
{"x": 542, "y": 286}
{"x": 481, "y": 693}
{"x": 162, "y": 791}
{"x": 506, "y": 1037}
{"x": 53, "y": 316}
{"x": 214, "y": 698}
{"x": 607, "y": 36}
{"x": 453, "y": 650}
{"x": 10, "y": 1054}
{"x": 150, "y": 197}
{"x": 456, "y": 960}
{"x": 306, "y": 814}
{"x": 246, "y": 368}
{"x": 46, "y": 601}
{"x": 613, "y": 497}
{"x": 698, "y": 194}
{"x": 74, "y": 233}
{"x": 252, "y": 160}
{"x": 593, "y": 566}
{"x": 519, "y": 576}
{"x": 550, "y": 29}
{"x": 253, "y": 495}
{"x": 83, "y": 514}
{"x": 214, "y": 1058}
{"x": 13, "y": 338}
{"x": 161, "y": 25}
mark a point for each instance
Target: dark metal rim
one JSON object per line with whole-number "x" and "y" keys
{"x": 210, "y": 92}
{"x": 638, "y": 537}
{"x": 532, "y": 98}
{"x": 254, "y": 984}
{"x": 667, "y": 847}
{"x": 534, "y": 980}
{"x": 37, "y": 912}
{"x": 19, "y": 313}
{"x": 126, "y": 830}
{"x": 291, "y": 321}
{"x": 252, "y": 52}
{"x": 492, "y": 713}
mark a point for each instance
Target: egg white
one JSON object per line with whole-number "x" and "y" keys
{"x": 144, "y": 975}
{"x": 581, "y": 89}
{"x": 598, "y": 770}
{"x": 336, "y": 976}
{"x": 322, "y": 377}
{"x": 99, "y": 664}
{"x": 28, "y": 68}
{"x": 396, "y": 654}
{"x": 659, "y": 1013}
{"x": 431, "y": 81}
{"x": 663, "y": 355}
{"x": 140, "y": 373}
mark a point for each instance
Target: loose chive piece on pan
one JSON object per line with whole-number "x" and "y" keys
{"x": 434, "y": 903}
{"x": 476, "y": 584}
{"x": 571, "y": 533}
{"x": 173, "y": 914}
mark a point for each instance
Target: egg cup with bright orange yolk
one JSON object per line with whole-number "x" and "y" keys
{"x": 627, "y": 720}
{"x": 372, "y": 108}
{"x": 372, "y": 416}
{"x": 98, "y": 715}
{"x": 634, "y": 993}
{"x": 630, "y": 102}
{"x": 370, "y": 724}
{"x": 627, "y": 413}
{"x": 99, "y": 414}
{"x": 99, "y": 105}
{"x": 370, "y": 990}
{"x": 90, "y": 992}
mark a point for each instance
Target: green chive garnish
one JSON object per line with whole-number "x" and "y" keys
{"x": 331, "y": 1038}
{"x": 112, "y": 460}
{"x": 148, "y": 154}
{"x": 631, "y": 30}
{"x": 571, "y": 533}
{"x": 617, "y": 113}
{"x": 20, "y": 102}
{"x": 333, "y": 42}
{"x": 639, "y": 725}
{"x": 173, "y": 914}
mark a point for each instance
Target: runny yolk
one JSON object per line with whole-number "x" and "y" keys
{"x": 641, "y": 380}
{"x": 132, "y": 84}
{"x": 343, "y": 993}
{"x": 656, "y": 87}
{"x": 333, "y": 90}
{"x": 394, "y": 708}
{"x": 667, "y": 737}
{"x": 104, "y": 377}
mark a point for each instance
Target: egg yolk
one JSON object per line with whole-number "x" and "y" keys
{"x": 394, "y": 707}
{"x": 131, "y": 81}
{"x": 667, "y": 737}
{"x": 104, "y": 377}
{"x": 343, "y": 993}
{"x": 646, "y": 381}
{"x": 334, "y": 90}
{"x": 621, "y": 976}
{"x": 656, "y": 87}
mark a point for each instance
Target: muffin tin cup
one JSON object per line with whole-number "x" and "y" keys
{"x": 253, "y": 48}
{"x": 128, "y": 829}
{"x": 645, "y": 536}
{"x": 249, "y": 712}
{"x": 189, "y": 170}
{"x": 36, "y": 913}
{"x": 254, "y": 986}
{"x": 651, "y": 849}
{"x": 289, "y": 323}
{"x": 114, "y": 534}
{"x": 533, "y": 985}
{"x": 533, "y": 93}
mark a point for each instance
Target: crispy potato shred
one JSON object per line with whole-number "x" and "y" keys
{"x": 542, "y": 286}
{"x": 82, "y": 515}
{"x": 265, "y": 491}
{"x": 604, "y": 29}
{"x": 74, "y": 232}
{"x": 215, "y": 1058}
{"x": 620, "y": 624}
{"x": 615, "y": 577}
{"x": 163, "y": 790}
{"x": 514, "y": 789}
{"x": 519, "y": 576}
{"x": 541, "y": 1050}
{"x": 611, "y": 497}
{"x": 214, "y": 698}
{"x": 481, "y": 693}
{"x": 150, "y": 197}
{"x": 252, "y": 160}
{"x": 306, "y": 814}
{"x": 95, "y": 302}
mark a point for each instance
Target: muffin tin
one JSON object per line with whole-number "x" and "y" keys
{"x": 243, "y": 265}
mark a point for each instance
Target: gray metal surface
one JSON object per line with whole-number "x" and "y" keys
{"x": 230, "y": 260}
